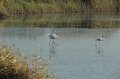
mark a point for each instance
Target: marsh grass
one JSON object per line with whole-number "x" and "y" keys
{"x": 15, "y": 66}
{"x": 58, "y": 6}
{"x": 60, "y": 20}
{"x": 3, "y": 10}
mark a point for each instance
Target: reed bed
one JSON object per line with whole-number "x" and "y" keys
{"x": 15, "y": 66}
{"x": 66, "y": 20}
{"x": 58, "y": 6}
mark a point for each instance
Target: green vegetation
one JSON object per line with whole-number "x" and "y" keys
{"x": 15, "y": 66}
{"x": 48, "y": 6}
{"x": 61, "y": 20}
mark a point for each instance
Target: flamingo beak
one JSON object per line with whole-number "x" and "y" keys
{"x": 58, "y": 34}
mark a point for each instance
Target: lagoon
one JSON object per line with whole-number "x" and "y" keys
{"x": 74, "y": 55}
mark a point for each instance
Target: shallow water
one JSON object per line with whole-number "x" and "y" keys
{"x": 75, "y": 54}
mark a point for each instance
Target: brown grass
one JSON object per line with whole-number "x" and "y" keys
{"x": 14, "y": 66}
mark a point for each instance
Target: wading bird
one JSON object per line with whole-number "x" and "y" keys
{"x": 99, "y": 40}
{"x": 53, "y": 36}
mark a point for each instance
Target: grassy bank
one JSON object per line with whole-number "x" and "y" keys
{"x": 48, "y": 6}
{"x": 14, "y": 66}
{"x": 62, "y": 20}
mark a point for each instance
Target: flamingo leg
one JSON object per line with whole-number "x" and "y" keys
{"x": 49, "y": 41}
{"x": 53, "y": 40}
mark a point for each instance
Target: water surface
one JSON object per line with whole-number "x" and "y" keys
{"x": 74, "y": 55}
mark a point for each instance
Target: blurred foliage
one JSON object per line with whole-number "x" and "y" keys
{"x": 47, "y": 6}
{"x": 63, "y": 20}
{"x": 15, "y": 66}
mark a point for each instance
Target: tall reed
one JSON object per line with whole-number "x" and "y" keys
{"x": 48, "y": 6}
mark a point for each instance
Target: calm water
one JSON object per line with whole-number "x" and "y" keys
{"x": 74, "y": 55}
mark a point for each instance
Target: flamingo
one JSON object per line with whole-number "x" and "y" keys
{"x": 99, "y": 40}
{"x": 53, "y": 36}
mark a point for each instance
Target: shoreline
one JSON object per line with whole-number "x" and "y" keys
{"x": 2, "y": 16}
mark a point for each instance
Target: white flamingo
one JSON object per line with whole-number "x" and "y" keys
{"x": 99, "y": 40}
{"x": 53, "y": 36}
